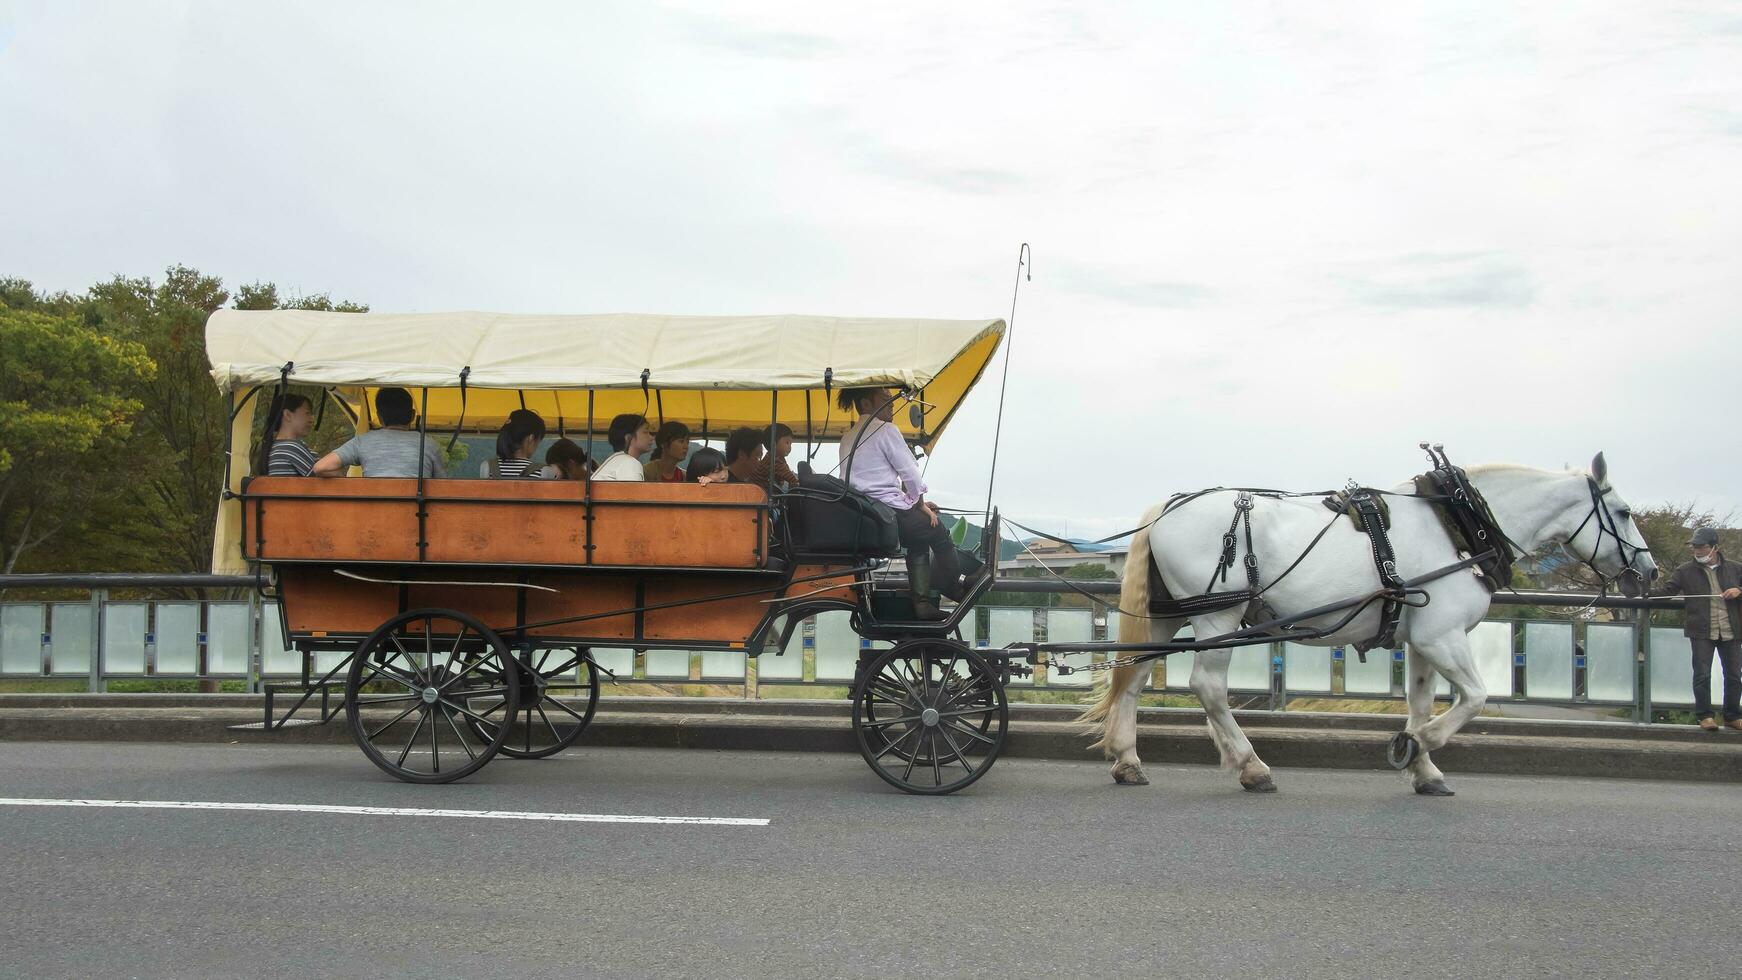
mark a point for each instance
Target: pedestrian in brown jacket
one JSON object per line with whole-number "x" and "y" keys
{"x": 1712, "y": 623}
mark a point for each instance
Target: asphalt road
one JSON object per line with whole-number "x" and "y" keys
{"x": 1043, "y": 868}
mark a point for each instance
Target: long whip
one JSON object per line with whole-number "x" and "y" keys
{"x": 1024, "y": 270}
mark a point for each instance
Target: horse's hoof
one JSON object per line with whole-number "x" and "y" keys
{"x": 1263, "y": 784}
{"x": 1436, "y": 788}
{"x": 1130, "y": 777}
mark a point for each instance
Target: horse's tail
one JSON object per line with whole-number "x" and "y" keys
{"x": 1133, "y": 628}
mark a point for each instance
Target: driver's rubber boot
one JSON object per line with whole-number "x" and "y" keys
{"x": 919, "y": 583}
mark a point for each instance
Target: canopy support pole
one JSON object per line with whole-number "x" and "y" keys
{"x": 422, "y": 509}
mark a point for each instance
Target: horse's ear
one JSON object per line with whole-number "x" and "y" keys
{"x": 1600, "y": 470}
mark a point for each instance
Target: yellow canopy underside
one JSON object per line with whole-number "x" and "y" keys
{"x": 813, "y": 415}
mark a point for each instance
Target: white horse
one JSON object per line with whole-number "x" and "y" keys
{"x": 1535, "y": 508}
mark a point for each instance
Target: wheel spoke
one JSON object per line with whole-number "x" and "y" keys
{"x": 897, "y": 741}
{"x": 564, "y": 707}
{"x": 937, "y": 773}
{"x": 410, "y": 660}
{"x": 377, "y": 732}
{"x": 378, "y": 670}
{"x": 458, "y": 736}
{"x": 410, "y": 742}
{"x": 567, "y": 664}
{"x": 474, "y": 665}
{"x": 370, "y": 701}
{"x": 907, "y": 774}
{"x": 447, "y": 668}
{"x": 555, "y": 735}
{"x": 435, "y": 749}
{"x": 956, "y": 749}
{"x": 476, "y": 717}
{"x": 963, "y": 730}
{"x": 886, "y": 724}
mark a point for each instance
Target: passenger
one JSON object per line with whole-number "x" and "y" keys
{"x": 875, "y": 460}
{"x": 671, "y": 444}
{"x": 743, "y": 451}
{"x": 569, "y": 460}
{"x": 783, "y": 475}
{"x": 631, "y": 438}
{"x": 707, "y": 466}
{"x": 395, "y": 449}
{"x": 282, "y": 450}
{"x": 516, "y": 441}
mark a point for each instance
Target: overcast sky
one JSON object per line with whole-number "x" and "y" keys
{"x": 1274, "y": 244}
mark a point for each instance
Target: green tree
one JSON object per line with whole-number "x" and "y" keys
{"x": 66, "y": 412}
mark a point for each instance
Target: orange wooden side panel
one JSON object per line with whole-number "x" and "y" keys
{"x": 704, "y": 609}
{"x": 509, "y": 522}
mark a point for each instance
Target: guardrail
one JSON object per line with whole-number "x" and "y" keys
{"x": 1554, "y": 662}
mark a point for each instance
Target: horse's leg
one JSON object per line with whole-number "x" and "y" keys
{"x": 1450, "y": 655}
{"x": 1120, "y": 741}
{"x": 1210, "y": 684}
{"x": 1419, "y": 688}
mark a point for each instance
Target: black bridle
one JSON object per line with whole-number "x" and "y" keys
{"x": 1607, "y": 524}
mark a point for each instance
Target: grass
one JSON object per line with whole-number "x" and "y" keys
{"x": 80, "y": 685}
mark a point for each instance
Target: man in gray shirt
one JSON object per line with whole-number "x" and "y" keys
{"x": 392, "y": 450}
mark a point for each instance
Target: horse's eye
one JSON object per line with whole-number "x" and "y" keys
{"x": 1624, "y": 514}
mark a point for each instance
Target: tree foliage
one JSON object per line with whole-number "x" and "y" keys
{"x": 67, "y": 410}
{"x": 158, "y": 501}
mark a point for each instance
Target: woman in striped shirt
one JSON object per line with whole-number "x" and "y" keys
{"x": 282, "y": 451}
{"x": 516, "y": 442}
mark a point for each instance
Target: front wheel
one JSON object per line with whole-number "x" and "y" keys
{"x": 408, "y": 696}
{"x": 930, "y": 716}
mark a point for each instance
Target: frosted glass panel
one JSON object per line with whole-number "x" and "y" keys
{"x": 782, "y": 665}
{"x": 1010, "y": 626}
{"x": 178, "y": 637}
{"x": 726, "y": 665}
{"x": 21, "y": 638}
{"x": 969, "y": 627}
{"x": 227, "y": 637}
{"x": 1307, "y": 669}
{"x": 70, "y": 626}
{"x": 1548, "y": 660}
{"x": 618, "y": 660}
{"x": 1609, "y": 662}
{"x": 1491, "y": 643}
{"x": 274, "y": 658}
{"x": 1372, "y": 677}
{"x": 837, "y": 646}
{"x": 668, "y": 664}
{"x": 326, "y": 660}
{"x": 1179, "y": 670}
{"x": 124, "y": 638}
{"x": 1070, "y": 626}
{"x": 1672, "y": 669}
{"x": 1250, "y": 668}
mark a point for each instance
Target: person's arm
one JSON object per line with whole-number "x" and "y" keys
{"x": 894, "y": 450}
{"x": 336, "y": 462}
{"x": 1671, "y": 585}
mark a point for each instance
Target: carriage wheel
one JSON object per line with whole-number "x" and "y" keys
{"x": 549, "y": 717}
{"x": 408, "y": 695}
{"x": 930, "y": 716}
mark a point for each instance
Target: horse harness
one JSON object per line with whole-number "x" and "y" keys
{"x": 1468, "y": 522}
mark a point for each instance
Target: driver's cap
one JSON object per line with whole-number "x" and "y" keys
{"x": 1704, "y": 535}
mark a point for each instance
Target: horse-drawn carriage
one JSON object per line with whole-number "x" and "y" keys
{"x": 467, "y": 609}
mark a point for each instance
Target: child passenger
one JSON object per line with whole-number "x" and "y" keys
{"x": 282, "y": 450}
{"x": 570, "y": 461}
{"x": 671, "y": 445}
{"x": 516, "y": 441}
{"x": 631, "y": 439}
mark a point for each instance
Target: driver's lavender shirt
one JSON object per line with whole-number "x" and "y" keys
{"x": 881, "y": 466}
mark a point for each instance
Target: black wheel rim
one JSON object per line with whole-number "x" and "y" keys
{"x": 930, "y": 716}
{"x": 408, "y": 695}
{"x": 559, "y": 692}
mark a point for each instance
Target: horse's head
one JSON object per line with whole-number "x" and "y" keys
{"x": 1608, "y": 540}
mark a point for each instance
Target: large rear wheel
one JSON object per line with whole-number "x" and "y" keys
{"x": 409, "y": 694}
{"x": 930, "y": 716}
{"x": 559, "y": 692}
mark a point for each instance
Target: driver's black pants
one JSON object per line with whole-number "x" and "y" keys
{"x": 918, "y": 535}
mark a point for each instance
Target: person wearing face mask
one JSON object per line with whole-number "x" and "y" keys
{"x": 1712, "y": 624}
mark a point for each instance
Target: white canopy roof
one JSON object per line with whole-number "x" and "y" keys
{"x": 593, "y": 351}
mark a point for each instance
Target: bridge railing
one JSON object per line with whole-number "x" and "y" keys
{"x": 217, "y": 628}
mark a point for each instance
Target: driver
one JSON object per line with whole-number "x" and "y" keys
{"x": 875, "y": 461}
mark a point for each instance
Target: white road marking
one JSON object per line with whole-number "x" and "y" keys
{"x": 388, "y": 811}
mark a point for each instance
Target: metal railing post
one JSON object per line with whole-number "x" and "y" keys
{"x": 1642, "y": 682}
{"x": 98, "y": 597}
{"x": 255, "y": 667}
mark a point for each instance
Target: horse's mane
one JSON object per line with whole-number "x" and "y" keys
{"x": 1516, "y": 469}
